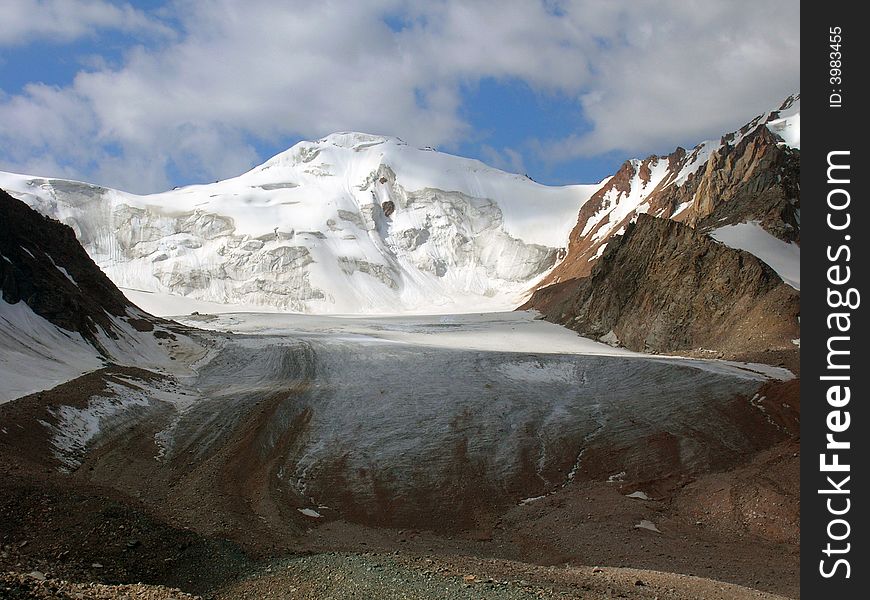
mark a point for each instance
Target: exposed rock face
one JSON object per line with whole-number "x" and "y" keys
{"x": 663, "y": 287}
{"x": 757, "y": 180}
{"x": 749, "y": 175}
{"x": 666, "y": 287}
{"x": 44, "y": 265}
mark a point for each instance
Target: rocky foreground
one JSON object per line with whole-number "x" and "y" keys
{"x": 738, "y": 526}
{"x": 398, "y": 577}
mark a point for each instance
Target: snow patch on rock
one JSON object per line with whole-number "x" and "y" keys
{"x": 782, "y": 257}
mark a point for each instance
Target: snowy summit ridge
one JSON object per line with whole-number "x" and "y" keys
{"x": 350, "y": 223}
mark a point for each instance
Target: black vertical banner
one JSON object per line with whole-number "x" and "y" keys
{"x": 835, "y": 299}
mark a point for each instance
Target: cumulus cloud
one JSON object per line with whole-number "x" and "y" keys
{"x": 685, "y": 72}
{"x": 235, "y": 73}
{"x": 507, "y": 159}
{"x": 64, "y": 20}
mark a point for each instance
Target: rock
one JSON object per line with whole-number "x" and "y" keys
{"x": 45, "y": 266}
{"x": 665, "y": 287}
{"x": 389, "y": 208}
{"x": 648, "y": 525}
{"x": 756, "y": 179}
{"x": 639, "y": 495}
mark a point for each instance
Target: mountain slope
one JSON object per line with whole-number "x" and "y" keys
{"x": 44, "y": 265}
{"x": 724, "y": 282}
{"x": 60, "y": 316}
{"x": 351, "y": 223}
{"x": 666, "y": 287}
{"x": 752, "y": 174}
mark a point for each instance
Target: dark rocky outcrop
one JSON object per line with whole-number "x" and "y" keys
{"x": 755, "y": 179}
{"x": 666, "y": 287}
{"x": 44, "y": 265}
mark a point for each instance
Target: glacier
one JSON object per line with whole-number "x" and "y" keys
{"x": 350, "y": 224}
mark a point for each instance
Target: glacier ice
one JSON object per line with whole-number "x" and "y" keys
{"x": 351, "y": 223}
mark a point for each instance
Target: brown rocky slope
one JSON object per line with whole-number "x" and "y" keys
{"x": 750, "y": 174}
{"x": 666, "y": 287}
{"x": 44, "y": 265}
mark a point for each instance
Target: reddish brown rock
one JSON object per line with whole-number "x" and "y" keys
{"x": 757, "y": 179}
{"x": 665, "y": 287}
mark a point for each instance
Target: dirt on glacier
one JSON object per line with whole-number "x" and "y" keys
{"x": 215, "y": 519}
{"x": 580, "y": 542}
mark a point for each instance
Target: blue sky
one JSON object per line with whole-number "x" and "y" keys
{"x": 150, "y": 94}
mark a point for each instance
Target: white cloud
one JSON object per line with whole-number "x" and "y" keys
{"x": 47, "y": 119}
{"x": 506, "y": 159}
{"x": 686, "y": 72}
{"x": 647, "y": 76}
{"x": 63, "y": 20}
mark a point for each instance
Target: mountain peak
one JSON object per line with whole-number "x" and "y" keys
{"x": 350, "y": 223}
{"x": 306, "y": 151}
{"x": 790, "y": 102}
{"x": 357, "y": 140}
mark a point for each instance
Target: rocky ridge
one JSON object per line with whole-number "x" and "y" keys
{"x": 749, "y": 174}
{"x": 666, "y": 287}
{"x": 44, "y": 266}
{"x": 643, "y": 271}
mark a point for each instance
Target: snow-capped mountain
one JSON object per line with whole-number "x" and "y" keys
{"x": 635, "y": 274}
{"x": 351, "y": 223}
{"x": 749, "y": 175}
{"x": 357, "y": 223}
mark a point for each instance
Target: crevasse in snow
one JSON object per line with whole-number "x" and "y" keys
{"x": 312, "y": 230}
